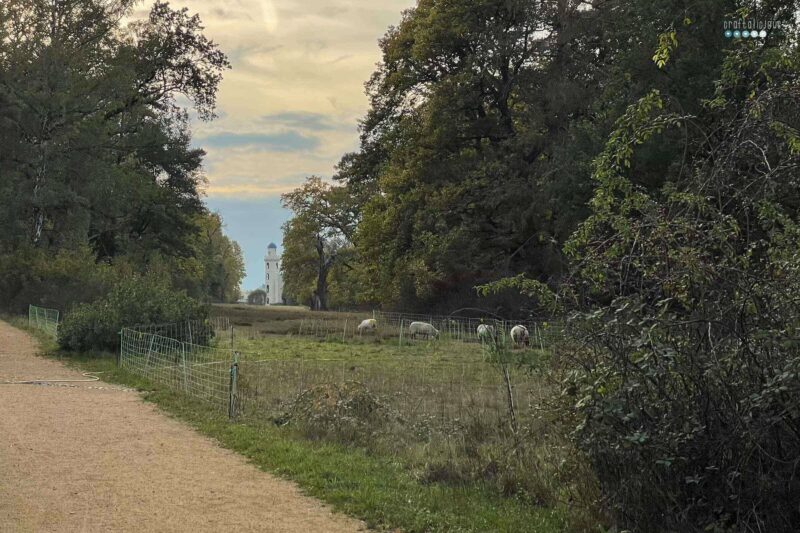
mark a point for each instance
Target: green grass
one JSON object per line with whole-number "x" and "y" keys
{"x": 377, "y": 489}
{"x": 294, "y": 346}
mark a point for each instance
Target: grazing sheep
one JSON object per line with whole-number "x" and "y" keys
{"x": 422, "y": 329}
{"x": 485, "y": 332}
{"x": 370, "y": 324}
{"x": 519, "y": 334}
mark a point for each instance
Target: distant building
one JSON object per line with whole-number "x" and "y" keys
{"x": 273, "y": 279}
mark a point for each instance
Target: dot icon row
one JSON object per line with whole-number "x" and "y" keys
{"x": 736, "y": 34}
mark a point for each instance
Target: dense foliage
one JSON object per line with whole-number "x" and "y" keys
{"x": 134, "y": 301}
{"x": 475, "y": 157}
{"x": 688, "y": 385}
{"x": 96, "y": 163}
{"x": 317, "y": 242}
{"x": 257, "y": 297}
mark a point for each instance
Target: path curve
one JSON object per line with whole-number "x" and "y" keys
{"x": 96, "y": 457}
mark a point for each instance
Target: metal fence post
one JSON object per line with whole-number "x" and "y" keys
{"x": 233, "y": 386}
{"x": 149, "y": 351}
{"x": 119, "y": 354}
{"x": 183, "y": 362}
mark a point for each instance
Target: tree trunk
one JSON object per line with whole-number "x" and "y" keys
{"x": 321, "y": 294}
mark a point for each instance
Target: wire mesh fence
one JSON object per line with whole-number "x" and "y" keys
{"x": 195, "y": 332}
{"x": 436, "y": 394}
{"x": 395, "y": 326}
{"x": 199, "y": 371}
{"x": 543, "y": 334}
{"x": 44, "y": 319}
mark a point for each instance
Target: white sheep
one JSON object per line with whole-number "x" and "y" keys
{"x": 370, "y": 324}
{"x": 422, "y": 328}
{"x": 519, "y": 334}
{"x": 485, "y": 332}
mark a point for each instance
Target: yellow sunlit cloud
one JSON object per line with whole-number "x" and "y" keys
{"x": 290, "y": 105}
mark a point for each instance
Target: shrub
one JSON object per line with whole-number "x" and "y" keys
{"x": 36, "y": 276}
{"x": 346, "y": 412}
{"x": 687, "y": 384}
{"x": 257, "y": 297}
{"x": 137, "y": 300}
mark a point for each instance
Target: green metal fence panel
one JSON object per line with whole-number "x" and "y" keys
{"x": 202, "y": 372}
{"x": 44, "y": 319}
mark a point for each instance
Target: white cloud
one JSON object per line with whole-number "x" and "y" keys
{"x": 298, "y": 73}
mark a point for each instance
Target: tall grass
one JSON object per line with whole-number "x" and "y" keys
{"x": 441, "y": 409}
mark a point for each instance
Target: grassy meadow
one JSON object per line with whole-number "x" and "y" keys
{"x": 451, "y": 413}
{"x": 391, "y": 478}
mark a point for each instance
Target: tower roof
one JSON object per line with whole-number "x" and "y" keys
{"x": 271, "y": 245}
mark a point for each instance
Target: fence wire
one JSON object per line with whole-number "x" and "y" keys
{"x": 543, "y": 334}
{"x": 202, "y": 372}
{"x": 196, "y": 332}
{"x": 44, "y": 319}
{"x": 439, "y": 395}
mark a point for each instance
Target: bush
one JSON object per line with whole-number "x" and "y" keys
{"x": 137, "y": 300}
{"x": 687, "y": 383}
{"x": 36, "y": 276}
{"x": 257, "y": 297}
{"x": 347, "y": 413}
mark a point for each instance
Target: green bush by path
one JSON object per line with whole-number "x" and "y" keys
{"x": 40, "y": 277}
{"x": 138, "y": 300}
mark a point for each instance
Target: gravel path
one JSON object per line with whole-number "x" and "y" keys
{"x": 95, "y": 457}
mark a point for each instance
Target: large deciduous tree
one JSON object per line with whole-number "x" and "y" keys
{"x": 94, "y": 125}
{"x": 316, "y": 240}
{"x": 475, "y": 157}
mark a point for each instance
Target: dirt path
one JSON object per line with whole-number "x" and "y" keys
{"x": 95, "y": 457}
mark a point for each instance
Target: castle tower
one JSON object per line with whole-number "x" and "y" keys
{"x": 273, "y": 282}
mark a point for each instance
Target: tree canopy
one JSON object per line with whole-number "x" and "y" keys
{"x": 94, "y": 124}
{"x": 476, "y": 153}
{"x": 317, "y": 240}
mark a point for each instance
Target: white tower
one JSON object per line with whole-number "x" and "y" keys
{"x": 273, "y": 283}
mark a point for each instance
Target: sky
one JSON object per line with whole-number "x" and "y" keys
{"x": 288, "y": 108}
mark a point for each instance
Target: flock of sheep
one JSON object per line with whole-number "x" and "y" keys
{"x": 486, "y": 332}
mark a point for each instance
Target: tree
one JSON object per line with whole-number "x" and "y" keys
{"x": 221, "y": 258}
{"x": 257, "y": 297}
{"x": 94, "y": 143}
{"x": 316, "y": 239}
{"x": 96, "y": 148}
{"x": 475, "y": 156}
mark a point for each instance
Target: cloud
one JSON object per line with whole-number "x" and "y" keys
{"x": 304, "y": 120}
{"x": 288, "y": 108}
{"x": 287, "y": 141}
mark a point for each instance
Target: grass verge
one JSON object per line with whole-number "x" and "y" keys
{"x": 378, "y": 490}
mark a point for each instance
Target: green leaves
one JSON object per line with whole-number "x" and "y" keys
{"x": 688, "y": 312}
{"x": 317, "y": 240}
{"x": 667, "y": 43}
{"x": 530, "y": 288}
{"x": 97, "y": 151}
{"x": 133, "y": 301}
